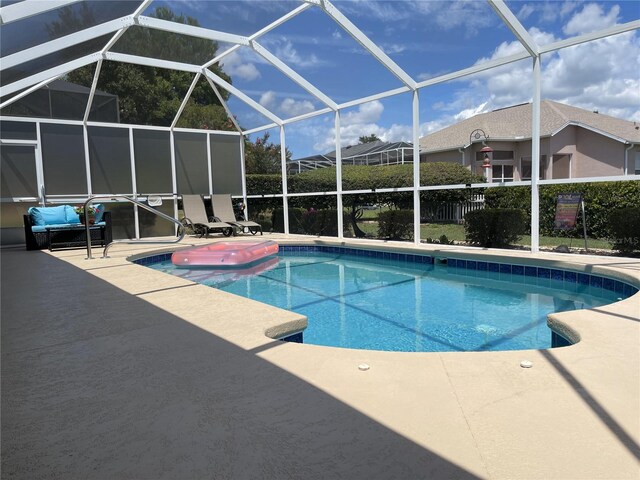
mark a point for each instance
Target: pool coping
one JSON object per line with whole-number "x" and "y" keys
{"x": 623, "y": 282}
{"x": 573, "y": 415}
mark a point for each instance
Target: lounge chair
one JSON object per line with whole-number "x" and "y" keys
{"x": 223, "y": 209}
{"x": 195, "y": 217}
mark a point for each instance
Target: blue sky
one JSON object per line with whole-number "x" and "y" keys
{"x": 426, "y": 39}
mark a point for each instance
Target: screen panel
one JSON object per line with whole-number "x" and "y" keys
{"x": 17, "y": 130}
{"x": 110, "y": 160}
{"x": 18, "y": 171}
{"x": 152, "y": 150}
{"x": 63, "y": 160}
{"x": 152, "y": 225}
{"x": 191, "y": 163}
{"x": 226, "y": 164}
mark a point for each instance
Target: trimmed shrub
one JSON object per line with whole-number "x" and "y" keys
{"x": 494, "y": 227}
{"x": 309, "y": 222}
{"x": 624, "y": 227}
{"x": 262, "y": 184}
{"x": 395, "y": 224}
{"x": 601, "y": 198}
{"x": 361, "y": 177}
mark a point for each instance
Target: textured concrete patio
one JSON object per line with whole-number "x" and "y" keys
{"x": 113, "y": 370}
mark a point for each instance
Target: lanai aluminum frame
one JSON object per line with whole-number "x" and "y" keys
{"x": 119, "y": 26}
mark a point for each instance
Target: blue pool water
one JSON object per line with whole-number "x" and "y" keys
{"x": 396, "y": 305}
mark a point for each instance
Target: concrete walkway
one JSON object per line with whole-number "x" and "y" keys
{"x": 111, "y": 370}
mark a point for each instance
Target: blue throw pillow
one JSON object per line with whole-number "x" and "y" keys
{"x": 48, "y": 215}
{"x": 71, "y": 215}
{"x": 99, "y": 212}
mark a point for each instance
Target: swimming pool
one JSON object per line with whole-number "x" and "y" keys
{"x": 403, "y": 302}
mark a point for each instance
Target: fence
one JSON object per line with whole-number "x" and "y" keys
{"x": 453, "y": 212}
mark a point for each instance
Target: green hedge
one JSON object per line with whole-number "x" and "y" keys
{"x": 601, "y": 198}
{"x": 624, "y": 226}
{"x": 494, "y": 227}
{"x": 364, "y": 178}
{"x": 395, "y": 224}
{"x": 309, "y": 222}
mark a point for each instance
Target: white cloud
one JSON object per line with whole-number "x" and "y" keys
{"x": 288, "y": 107}
{"x": 286, "y": 52}
{"x": 236, "y": 66}
{"x": 470, "y": 15}
{"x": 525, "y": 11}
{"x": 357, "y": 123}
{"x": 599, "y": 75}
{"x": 366, "y": 113}
{"x": 293, "y": 108}
{"x": 591, "y": 18}
{"x": 268, "y": 100}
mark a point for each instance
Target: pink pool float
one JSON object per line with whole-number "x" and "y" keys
{"x": 224, "y": 254}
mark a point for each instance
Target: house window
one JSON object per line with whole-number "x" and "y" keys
{"x": 525, "y": 168}
{"x": 501, "y": 173}
{"x": 637, "y": 163}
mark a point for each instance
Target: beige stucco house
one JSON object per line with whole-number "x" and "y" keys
{"x": 574, "y": 143}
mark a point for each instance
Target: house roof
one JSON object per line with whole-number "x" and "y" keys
{"x": 358, "y": 150}
{"x": 514, "y": 123}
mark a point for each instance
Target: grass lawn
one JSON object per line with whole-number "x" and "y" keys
{"x": 456, "y": 233}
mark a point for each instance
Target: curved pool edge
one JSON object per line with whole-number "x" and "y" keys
{"x": 569, "y": 325}
{"x": 571, "y": 415}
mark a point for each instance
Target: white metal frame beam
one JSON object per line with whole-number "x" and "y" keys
{"x": 29, "y": 8}
{"x": 590, "y": 37}
{"x": 152, "y": 62}
{"x": 53, "y": 46}
{"x": 141, "y": 8}
{"x": 224, "y": 104}
{"x": 50, "y": 74}
{"x": 192, "y": 31}
{"x": 185, "y": 100}
{"x": 367, "y": 44}
{"x": 242, "y": 96}
{"x": 515, "y": 26}
{"x": 291, "y": 74}
{"x": 480, "y": 67}
{"x": 26, "y": 92}
{"x": 259, "y": 33}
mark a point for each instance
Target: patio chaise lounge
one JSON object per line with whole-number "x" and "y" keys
{"x": 223, "y": 209}
{"x": 195, "y": 217}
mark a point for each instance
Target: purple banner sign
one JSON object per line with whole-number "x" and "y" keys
{"x": 567, "y": 210}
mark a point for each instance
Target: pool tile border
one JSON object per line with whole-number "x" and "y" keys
{"x": 509, "y": 271}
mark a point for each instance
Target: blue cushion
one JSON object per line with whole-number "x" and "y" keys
{"x": 71, "y": 215}
{"x": 99, "y": 212}
{"x": 48, "y": 215}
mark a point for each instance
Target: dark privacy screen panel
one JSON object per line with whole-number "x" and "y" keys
{"x": 152, "y": 150}
{"x": 18, "y": 171}
{"x": 191, "y": 163}
{"x": 63, "y": 160}
{"x": 110, "y": 160}
{"x": 226, "y": 164}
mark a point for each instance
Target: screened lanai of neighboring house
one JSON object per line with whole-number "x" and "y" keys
{"x": 236, "y": 82}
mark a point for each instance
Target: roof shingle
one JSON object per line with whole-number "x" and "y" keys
{"x": 514, "y": 123}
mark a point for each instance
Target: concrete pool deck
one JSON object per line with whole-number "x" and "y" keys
{"x": 113, "y": 370}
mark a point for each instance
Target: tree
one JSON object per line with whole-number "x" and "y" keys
{"x": 262, "y": 156}
{"x": 368, "y": 139}
{"x": 149, "y": 95}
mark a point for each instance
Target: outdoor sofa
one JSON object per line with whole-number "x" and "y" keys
{"x": 59, "y": 227}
